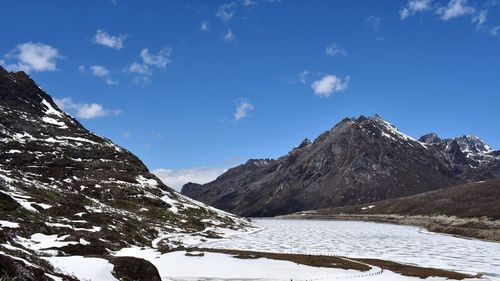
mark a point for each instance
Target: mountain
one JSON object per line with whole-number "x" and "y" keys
{"x": 67, "y": 191}
{"x": 359, "y": 160}
{"x": 470, "y": 157}
{"x": 469, "y": 209}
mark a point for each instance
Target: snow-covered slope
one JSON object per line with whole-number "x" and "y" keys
{"x": 67, "y": 191}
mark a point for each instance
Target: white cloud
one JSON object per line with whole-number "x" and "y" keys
{"x": 226, "y": 12}
{"x": 149, "y": 61}
{"x": 99, "y": 71}
{"x": 415, "y": 6}
{"x": 480, "y": 18}
{"x": 85, "y": 110}
{"x": 177, "y": 178}
{"x": 205, "y": 26}
{"x": 108, "y": 40}
{"x": 373, "y": 22}
{"x": 335, "y": 50}
{"x": 160, "y": 60}
{"x": 454, "y": 9}
{"x": 495, "y": 30}
{"x": 248, "y": 3}
{"x": 302, "y": 76}
{"x": 243, "y": 108}
{"x": 142, "y": 80}
{"x": 229, "y": 36}
{"x": 31, "y": 56}
{"x": 329, "y": 84}
{"x": 139, "y": 68}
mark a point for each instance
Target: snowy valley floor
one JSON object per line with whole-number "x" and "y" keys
{"x": 203, "y": 265}
{"x": 265, "y": 254}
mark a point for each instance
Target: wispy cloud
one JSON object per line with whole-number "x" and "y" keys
{"x": 454, "y": 9}
{"x": 205, "y": 26}
{"x": 226, "y": 12}
{"x": 177, "y": 178}
{"x": 160, "y": 60}
{"x": 99, "y": 71}
{"x": 413, "y": 7}
{"x": 248, "y": 3}
{"x": 480, "y": 18}
{"x": 229, "y": 36}
{"x": 148, "y": 62}
{"x": 243, "y": 108}
{"x": 139, "y": 68}
{"x": 32, "y": 57}
{"x": 85, "y": 110}
{"x": 373, "y": 22}
{"x": 329, "y": 84}
{"x": 142, "y": 80}
{"x": 334, "y": 49}
{"x": 108, "y": 40}
{"x": 477, "y": 11}
{"x": 127, "y": 135}
{"x": 494, "y": 31}
{"x": 302, "y": 76}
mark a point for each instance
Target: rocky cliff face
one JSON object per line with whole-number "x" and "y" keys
{"x": 67, "y": 191}
{"x": 471, "y": 158}
{"x": 359, "y": 160}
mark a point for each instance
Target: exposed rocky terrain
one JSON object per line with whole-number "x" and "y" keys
{"x": 470, "y": 209}
{"x": 67, "y": 191}
{"x": 360, "y": 160}
{"x": 471, "y": 158}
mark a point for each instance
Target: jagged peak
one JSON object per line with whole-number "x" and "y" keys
{"x": 305, "y": 143}
{"x": 259, "y": 162}
{"x": 430, "y": 138}
{"x": 472, "y": 143}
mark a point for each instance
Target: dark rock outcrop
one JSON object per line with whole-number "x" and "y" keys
{"x": 134, "y": 269}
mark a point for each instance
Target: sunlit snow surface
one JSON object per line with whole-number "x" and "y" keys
{"x": 406, "y": 244}
{"x": 179, "y": 267}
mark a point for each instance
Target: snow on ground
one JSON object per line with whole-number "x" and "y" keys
{"x": 53, "y": 121}
{"x": 8, "y": 224}
{"x": 399, "y": 243}
{"x": 178, "y": 266}
{"x": 51, "y": 109}
{"x": 84, "y": 268}
{"x": 39, "y": 241}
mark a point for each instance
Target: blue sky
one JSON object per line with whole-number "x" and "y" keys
{"x": 199, "y": 86}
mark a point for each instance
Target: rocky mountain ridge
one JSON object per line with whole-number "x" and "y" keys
{"x": 359, "y": 160}
{"x": 471, "y": 158}
{"x": 65, "y": 191}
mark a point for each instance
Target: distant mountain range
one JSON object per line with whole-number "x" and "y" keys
{"x": 67, "y": 191}
{"x": 359, "y": 160}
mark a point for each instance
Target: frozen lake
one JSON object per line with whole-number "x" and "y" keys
{"x": 407, "y": 244}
